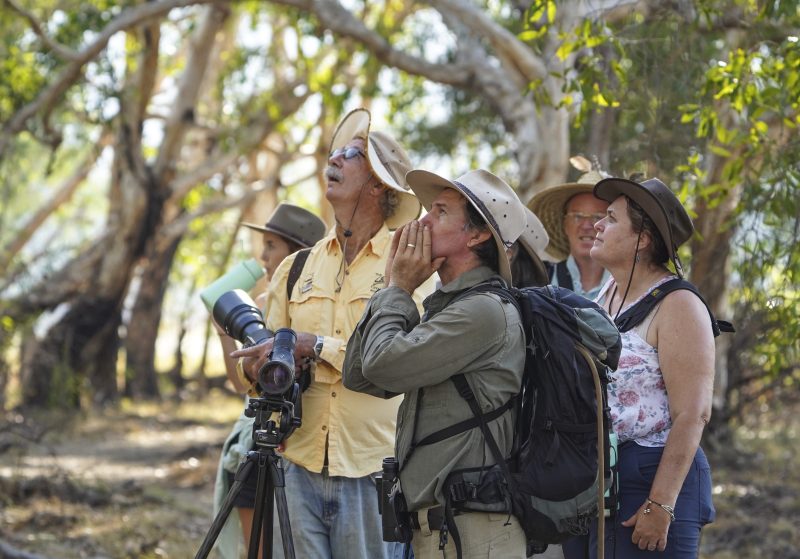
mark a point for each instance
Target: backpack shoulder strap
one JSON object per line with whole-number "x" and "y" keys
{"x": 559, "y": 271}
{"x": 296, "y": 269}
{"x": 506, "y": 294}
{"x": 479, "y": 418}
{"x": 563, "y": 276}
{"x": 638, "y": 312}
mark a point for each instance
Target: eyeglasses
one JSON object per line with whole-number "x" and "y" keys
{"x": 579, "y": 217}
{"x": 348, "y": 153}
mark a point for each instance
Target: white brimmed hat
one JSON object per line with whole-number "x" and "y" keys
{"x": 491, "y": 197}
{"x": 387, "y": 160}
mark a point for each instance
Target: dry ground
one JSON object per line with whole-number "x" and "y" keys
{"x": 137, "y": 483}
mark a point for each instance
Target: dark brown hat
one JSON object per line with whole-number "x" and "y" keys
{"x": 659, "y": 203}
{"x": 294, "y": 224}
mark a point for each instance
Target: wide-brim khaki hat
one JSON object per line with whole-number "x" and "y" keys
{"x": 549, "y": 205}
{"x": 294, "y": 224}
{"x": 387, "y": 160}
{"x": 659, "y": 203}
{"x": 491, "y": 197}
{"x": 534, "y": 241}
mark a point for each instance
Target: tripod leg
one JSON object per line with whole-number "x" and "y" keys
{"x": 286, "y": 528}
{"x": 279, "y": 485}
{"x": 227, "y": 505}
{"x": 266, "y": 491}
{"x": 263, "y": 494}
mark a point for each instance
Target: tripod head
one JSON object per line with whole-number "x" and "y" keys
{"x": 270, "y": 430}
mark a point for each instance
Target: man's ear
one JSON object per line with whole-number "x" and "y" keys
{"x": 377, "y": 189}
{"x": 478, "y": 236}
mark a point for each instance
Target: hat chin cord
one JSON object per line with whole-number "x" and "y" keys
{"x": 630, "y": 277}
{"x": 347, "y": 234}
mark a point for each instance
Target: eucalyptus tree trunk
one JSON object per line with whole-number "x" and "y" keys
{"x": 141, "y": 380}
{"x": 80, "y": 348}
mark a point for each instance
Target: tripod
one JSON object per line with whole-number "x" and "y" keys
{"x": 267, "y": 434}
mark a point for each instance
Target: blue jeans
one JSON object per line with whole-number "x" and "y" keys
{"x": 333, "y": 517}
{"x": 693, "y": 510}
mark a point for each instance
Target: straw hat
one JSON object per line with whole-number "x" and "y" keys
{"x": 659, "y": 203}
{"x": 293, "y": 223}
{"x": 386, "y": 159}
{"x": 492, "y": 198}
{"x": 549, "y": 205}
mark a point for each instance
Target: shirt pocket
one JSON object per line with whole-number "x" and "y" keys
{"x": 310, "y": 310}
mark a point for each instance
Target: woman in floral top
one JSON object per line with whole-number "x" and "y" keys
{"x": 660, "y": 395}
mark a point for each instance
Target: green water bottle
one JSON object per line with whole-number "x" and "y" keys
{"x": 242, "y": 276}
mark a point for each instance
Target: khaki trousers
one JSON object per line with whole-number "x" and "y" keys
{"x": 483, "y": 535}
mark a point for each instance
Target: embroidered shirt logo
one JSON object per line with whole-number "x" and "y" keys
{"x": 378, "y": 283}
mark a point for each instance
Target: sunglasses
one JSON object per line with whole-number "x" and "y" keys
{"x": 347, "y": 153}
{"x": 579, "y": 217}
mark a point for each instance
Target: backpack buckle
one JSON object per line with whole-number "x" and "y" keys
{"x": 463, "y": 491}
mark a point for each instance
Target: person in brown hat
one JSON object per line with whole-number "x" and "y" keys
{"x": 288, "y": 229}
{"x": 345, "y": 435}
{"x": 660, "y": 396}
{"x": 568, "y": 213}
{"x": 470, "y": 224}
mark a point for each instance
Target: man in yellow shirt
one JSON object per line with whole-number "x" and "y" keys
{"x": 332, "y": 502}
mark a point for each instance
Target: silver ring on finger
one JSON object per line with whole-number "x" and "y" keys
{"x": 412, "y": 245}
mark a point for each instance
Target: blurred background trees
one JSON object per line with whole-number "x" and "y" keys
{"x": 136, "y": 136}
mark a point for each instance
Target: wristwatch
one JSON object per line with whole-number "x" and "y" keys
{"x": 318, "y": 347}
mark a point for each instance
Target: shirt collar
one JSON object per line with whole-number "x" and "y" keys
{"x": 445, "y": 294}
{"x": 376, "y": 245}
{"x": 469, "y": 278}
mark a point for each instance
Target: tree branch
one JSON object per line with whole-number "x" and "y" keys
{"x": 62, "y": 51}
{"x": 182, "y": 115}
{"x": 53, "y": 93}
{"x": 514, "y": 53}
{"x": 63, "y": 193}
{"x": 338, "y": 19}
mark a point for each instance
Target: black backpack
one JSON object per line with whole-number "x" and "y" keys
{"x": 556, "y": 478}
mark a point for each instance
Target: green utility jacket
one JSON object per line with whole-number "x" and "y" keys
{"x": 392, "y": 351}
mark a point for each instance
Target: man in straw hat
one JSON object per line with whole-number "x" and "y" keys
{"x": 471, "y": 222}
{"x": 568, "y": 213}
{"x": 345, "y": 435}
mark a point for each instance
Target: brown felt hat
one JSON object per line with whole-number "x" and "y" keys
{"x": 659, "y": 203}
{"x": 294, "y": 224}
{"x": 492, "y": 198}
{"x": 387, "y": 160}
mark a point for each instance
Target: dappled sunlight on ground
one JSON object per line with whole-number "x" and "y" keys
{"x": 136, "y": 483}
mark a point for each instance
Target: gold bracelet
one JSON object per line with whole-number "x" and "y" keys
{"x": 666, "y": 508}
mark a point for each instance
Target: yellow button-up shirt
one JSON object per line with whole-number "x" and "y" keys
{"x": 328, "y": 299}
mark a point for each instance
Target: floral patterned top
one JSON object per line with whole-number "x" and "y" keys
{"x": 637, "y": 394}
